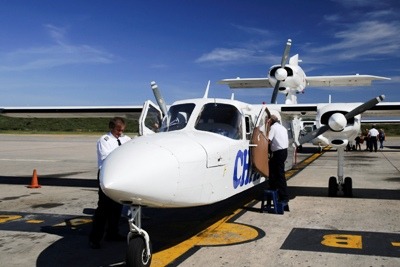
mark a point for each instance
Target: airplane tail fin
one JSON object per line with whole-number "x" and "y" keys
{"x": 294, "y": 60}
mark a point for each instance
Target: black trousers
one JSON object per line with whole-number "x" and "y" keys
{"x": 277, "y": 179}
{"x": 373, "y": 145}
{"x": 107, "y": 214}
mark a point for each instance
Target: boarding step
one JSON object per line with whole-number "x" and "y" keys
{"x": 270, "y": 203}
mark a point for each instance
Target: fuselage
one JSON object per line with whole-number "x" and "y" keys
{"x": 201, "y": 155}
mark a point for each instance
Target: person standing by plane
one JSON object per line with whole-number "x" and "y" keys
{"x": 278, "y": 138}
{"x": 373, "y": 139}
{"x": 381, "y": 138}
{"x": 108, "y": 211}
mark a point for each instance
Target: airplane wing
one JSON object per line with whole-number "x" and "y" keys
{"x": 344, "y": 80}
{"x": 247, "y": 83}
{"x": 383, "y": 109}
{"x": 72, "y": 111}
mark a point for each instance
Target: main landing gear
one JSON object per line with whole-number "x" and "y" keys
{"x": 139, "y": 246}
{"x": 345, "y": 186}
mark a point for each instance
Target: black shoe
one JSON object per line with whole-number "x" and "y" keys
{"x": 94, "y": 245}
{"x": 286, "y": 208}
{"x": 118, "y": 238}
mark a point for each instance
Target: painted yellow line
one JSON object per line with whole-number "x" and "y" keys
{"x": 220, "y": 233}
{"x": 396, "y": 244}
{"x": 300, "y": 166}
{"x": 7, "y": 218}
{"x": 34, "y": 221}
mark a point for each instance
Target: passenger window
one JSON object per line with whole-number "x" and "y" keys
{"x": 222, "y": 119}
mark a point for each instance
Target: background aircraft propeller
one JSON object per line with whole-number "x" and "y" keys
{"x": 281, "y": 73}
{"x": 337, "y": 122}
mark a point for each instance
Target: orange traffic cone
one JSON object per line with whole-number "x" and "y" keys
{"x": 34, "y": 182}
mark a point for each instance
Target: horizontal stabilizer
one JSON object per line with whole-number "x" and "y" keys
{"x": 247, "y": 83}
{"x": 345, "y": 80}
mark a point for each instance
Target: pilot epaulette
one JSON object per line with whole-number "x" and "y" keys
{"x": 106, "y": 138}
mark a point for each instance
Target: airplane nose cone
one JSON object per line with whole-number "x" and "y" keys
{"x": 129, "y": 174}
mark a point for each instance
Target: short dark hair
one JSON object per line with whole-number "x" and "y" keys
{"x": 116, "y": 120}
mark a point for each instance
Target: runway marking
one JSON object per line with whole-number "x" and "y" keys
{"x": 8, "y": 218}
{"x": 34, "y": 221}
{"x": 300, "y": 166}
{"x": 348, "y": 242}
{"x": 220, "y": 233}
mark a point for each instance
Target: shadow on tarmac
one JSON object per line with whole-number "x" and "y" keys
{"x": 51, "y": 180}
{"x": 387, "y": 194}
{"x": 166, "y": 227}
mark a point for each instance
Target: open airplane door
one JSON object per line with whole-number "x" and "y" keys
{"x": 259, "y": 143}
{"x": 150, "y": 118}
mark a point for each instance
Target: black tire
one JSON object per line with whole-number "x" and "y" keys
{"x": 136, "y": 255}
{"x": 332, "y": 187}
{"x": 348, "y": 187}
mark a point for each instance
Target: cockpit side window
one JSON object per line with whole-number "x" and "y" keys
{"x": 222, "y": 119}
{"x": 177, "y": 117}
{"x": 153, "y": 119}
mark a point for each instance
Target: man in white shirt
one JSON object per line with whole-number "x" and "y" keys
{"x": 279, "y": 140}
{"x": 373, "y": 138}
{"x": 108, "y": 211}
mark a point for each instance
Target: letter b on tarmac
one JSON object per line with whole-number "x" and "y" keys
{"x": 342, "y": 241}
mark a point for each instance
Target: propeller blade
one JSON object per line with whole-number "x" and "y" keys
{"x": 275, "y": 92}
{"x": 311, "y": 135}
{"x": 283, "y": 62}
{"x": 367, "y": 105}
{"x": 286, "y": 53}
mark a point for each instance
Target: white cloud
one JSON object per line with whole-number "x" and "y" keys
{"x": 225, "y": 55}
{"x": 367, "y": 38}
{"x": 53, "y": 55}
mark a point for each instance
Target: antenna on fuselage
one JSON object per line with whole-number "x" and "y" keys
{"x": 233, "y": 96}
{"x": 207, "y": 89}
{"x": 159, "y": 98}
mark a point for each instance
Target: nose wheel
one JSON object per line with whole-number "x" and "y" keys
{"x": 346, "y": 186}
{"x": 139, "y": 246}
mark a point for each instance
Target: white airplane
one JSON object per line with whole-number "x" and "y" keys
{"x": 202, "y": 151}
{"x": 206, "y": 151}
{"x": 290, "y": 79}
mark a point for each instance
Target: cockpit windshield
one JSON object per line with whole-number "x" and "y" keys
{"x": 177, "y": 117}
{"x": 222, "y": 119}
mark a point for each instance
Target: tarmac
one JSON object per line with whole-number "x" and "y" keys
{"x": 48, "y": 225}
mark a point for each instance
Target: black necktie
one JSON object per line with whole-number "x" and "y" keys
{"x": 119, "y": 142}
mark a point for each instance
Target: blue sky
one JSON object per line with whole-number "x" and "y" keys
{"x": 98, "y": 52}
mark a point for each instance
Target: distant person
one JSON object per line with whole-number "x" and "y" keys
{"x": 107, "y": 215}
{"x": 366, "y": 139}
{"x": 381, "y": 138}
{"x": 278, "y": 138}
{"x": 358, "y": 142}
{"x": 373, "y": 139}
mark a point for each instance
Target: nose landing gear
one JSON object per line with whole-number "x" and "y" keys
{"x": 335, "y": 185}
{"x": 139, "y": 247}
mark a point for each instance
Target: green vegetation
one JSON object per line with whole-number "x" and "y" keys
{"x": 100, "y": 125}
{"x": 60, "y": 125}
